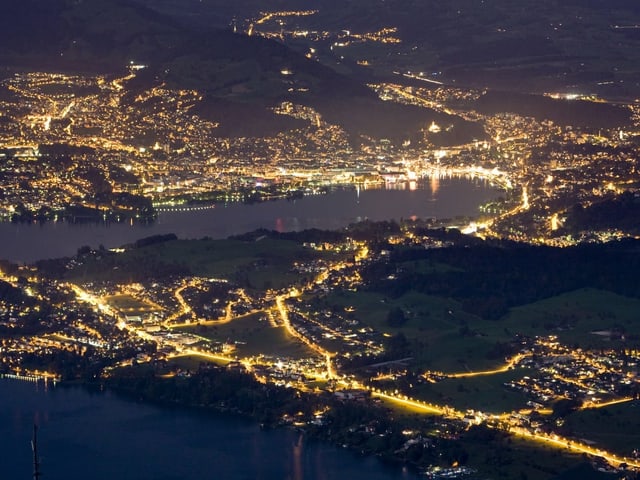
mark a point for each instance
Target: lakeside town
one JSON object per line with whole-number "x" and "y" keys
{"x": 80, "y": 148}
{"x": 500, "y": 345}
{"x": 288, "y": 334}
{"x": 87, "y": 147}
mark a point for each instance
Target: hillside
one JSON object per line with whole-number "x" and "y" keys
{"x": 235, "y": 71}
{"x": 529, "y": 46}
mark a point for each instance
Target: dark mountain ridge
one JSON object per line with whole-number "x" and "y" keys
{"x": 105, "y": 36}
{"x": 527, "y": 46}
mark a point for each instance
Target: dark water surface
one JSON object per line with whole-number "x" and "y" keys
{"x": 101, "y": 436}
{"x": 439, "y": 198}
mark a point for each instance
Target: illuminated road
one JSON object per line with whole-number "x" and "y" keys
{"x": 280, "y": 304}
{"x": 184, "y": 306}
{"x": 547, "y": 439}
{"x": 284, "y": 315}
{"x": 266, "y": 16}
{"x": 66, "y": 110}
{"x": 95, "y": 301}
{"x": 589, "y": 404}
{"x": 506, "y": 367}
{"x": 415, "y": 404}
{"x": 573, "y": 446}
{"x": 198, "y": 353}
{"x": 279, "y": 315}
{"x": 117, "y": 83}
{"x": 229, "y": 314}
{"x": 216, "y": 322}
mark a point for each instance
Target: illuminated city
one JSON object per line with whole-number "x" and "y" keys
{"x": 497, "y": 345}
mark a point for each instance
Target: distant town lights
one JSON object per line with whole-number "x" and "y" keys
{"x": 434, "y": 127}
{"x": 136, "y": 66}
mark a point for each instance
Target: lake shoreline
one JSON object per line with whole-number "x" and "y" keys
{"x": 446, "y": 198}
{"x": 317, "y": 457}
{"x": 317, "y": 433}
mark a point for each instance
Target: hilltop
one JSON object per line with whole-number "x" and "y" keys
{"x": 245, "y": 72}
{"x": 578, "y": 45}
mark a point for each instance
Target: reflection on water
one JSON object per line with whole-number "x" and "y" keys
{"x": 297, "y": 459}
{"x": 103, "y": 437}
{"x": 436, "y": 198}
{"x": 435, "y": 185}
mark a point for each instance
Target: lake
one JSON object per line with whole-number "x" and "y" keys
{"x": 435, "y": 198}
{"x": 101, "y": 436}
{"x": 105, "y": 437}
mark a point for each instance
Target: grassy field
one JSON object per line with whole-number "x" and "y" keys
{"x": 428, "y": 266}
{"x": 450, "y": 340}
{"x": 574, "y": 316}
{"x": 267, "y": 258}
{"x": 262, "y": 264}
{"x": 130, "y": 305}
{"x": 254, "y": 335}
{"x": 511, "y": 458}
{"x": 191, "y": 362}
{"x": 434, "y": 324}
{"x": 615, "y": 428}
{"x": 499, "y": 456}
{"x": 486, "y": 393}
